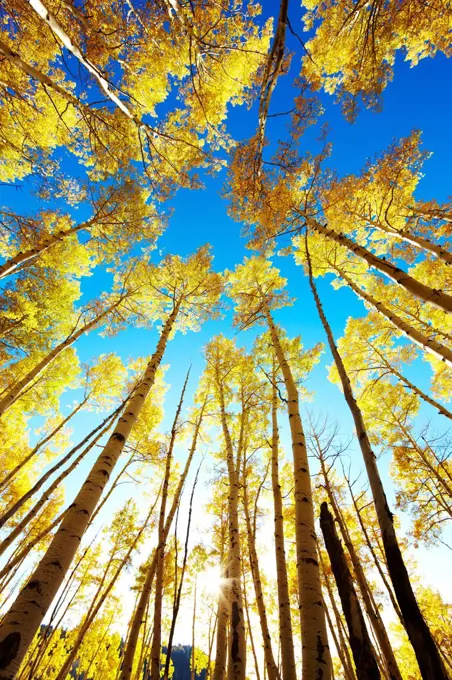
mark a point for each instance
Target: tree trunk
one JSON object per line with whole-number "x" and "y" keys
{"x": 339, "y": 648}
{"x": 32, "y": 72}
{"x": 442, "y": 410}
{"x": 272, "y": 669}
{"x": 316, "y": 654}
{"x": 178, "y": 593}
{"x": 435, "y": 297}
{"x": 237, "y": 645}
{"x": 346, "y": 659}
{"x": 219, "y": 671}
{"x": 24, "y": 256}
{"x": 418, "y": 241}
{"x": 160, "y": 552}
{"x": 139, "y": 614}
{"x": 427, "y": 344}
{"x": 193, "y": 640}
{"x": 100, "y": 430}
{"x": 365, "y": 663}
{"x": 419, "y": 634}
{"x": 16, "y": 390}
{"x": 371, "y": 610}
{"x": 38, "y": 447}
{"x": 250, "y": 633}
{"x": 58, "y": 30}
{"x": 375, "y": 557}
{"x": 285, "y": 622}
{"x": 21, "y": 554}
{"x": 21, "y": 622}
{"x": 33, "y": 512}
{"x": 96, "y": 606}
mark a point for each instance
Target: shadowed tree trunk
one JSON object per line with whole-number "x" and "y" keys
{"x": 365, "y": 663}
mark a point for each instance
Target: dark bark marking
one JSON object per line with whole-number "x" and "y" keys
{"x": 9, "y": 647}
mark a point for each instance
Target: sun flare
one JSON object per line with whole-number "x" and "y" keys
{"x": 210, "y": 580}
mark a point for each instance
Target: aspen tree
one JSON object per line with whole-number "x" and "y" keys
{"x": 272, "y": 669}
{"x": 46, "y": 495}
{"x": 380, "y": 203}
{"x": 369, "y": 354}
{"x": 425, "y": 341}
{"x": 191, "y": 286}
{"x": 19, "y": 386}
{"x": 365, "y": 663}
{"x": 370, "y": 546}
{"x": 179, "y": 586}
{"x": 435, "y": 297}
{"x": 371, "y": 608}
{"x": 96, "y": 606}
{"x": 285, "y": 623}
{"x": 120, "y": 207}
{"x": 110, "y": 385}
{"x": 256, "y": 290}
{"x": 220, "y": 507}
{"x": 222, "y": 359}
{"x": 140, "y": 609}
{"x": 160, "y": 550}
{"x": 344, "y": 652}
{"x": 426, "y": 651}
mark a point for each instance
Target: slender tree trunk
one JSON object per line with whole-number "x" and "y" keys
{"x": 437, "y": 298}
{"x": 139, "y": 614}
{"x": 345, "y": 658}
{"x": 21, "y": 554}
{"x": 338, "y": 646}
{"x": 418, "y": 241}
{"x": 419, "y": 634}
{"x": 25, "y": 256}
{"x": 223, "y": 612}
{"x": 285, "y": 622}
{"x": 427, "y": 344}
{"x": 17, "y": 389}
{"x": 96, "y": 606}
{"x": 365, "y": 663}
{"x": 58, "y": 30}
{"x": 38, "y": 447}
{"x": 33, "y": 512}
{"x": 377, "y": 562}
{"x": 237, "y": 645}
{"x": 442, "y": 410}
{"x": 21, "y": 622}
{"x": 250, "y": 633}
{"x": 32, "y": 72}
{"x": 272, "y": 669}
{"x": 178, "y": 596}
{"x": 316, "y": 654}
{"x": 193, "y": 640}
{"x": 371, "y": 609}
{"x": 105, "y": 498}
{"x": 158, "y": 601}
{"x": 100, "y": 430}
{"x": 211, "y": 639}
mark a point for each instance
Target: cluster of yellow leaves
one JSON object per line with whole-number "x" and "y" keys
{"x": 354, "y": 46}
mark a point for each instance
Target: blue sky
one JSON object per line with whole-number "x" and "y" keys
{"x": 418, "y": 98}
